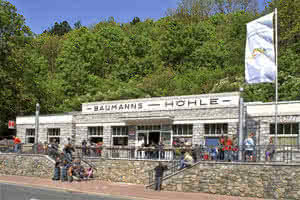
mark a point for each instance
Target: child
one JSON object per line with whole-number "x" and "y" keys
{"x": 89, "y": 173}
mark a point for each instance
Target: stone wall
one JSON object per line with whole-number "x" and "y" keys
{"x": 26, "y": 165}
{"x": 271, "y": 181}
{"x": 238, "y": 179}
{"x": 107, "y": 170}
{"x": 124, "y": 170}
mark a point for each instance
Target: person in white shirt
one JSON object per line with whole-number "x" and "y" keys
{"x": 249, "y": 147}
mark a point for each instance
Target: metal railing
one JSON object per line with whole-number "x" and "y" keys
{"x": 172, "y": 168}
{"x": 258, "y": 153}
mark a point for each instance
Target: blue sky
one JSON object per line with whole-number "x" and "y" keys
{"x": 41, "y": 14}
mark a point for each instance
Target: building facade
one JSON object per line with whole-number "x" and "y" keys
{"x": 195, "y": 119}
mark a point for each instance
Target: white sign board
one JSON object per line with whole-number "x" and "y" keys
{"x": 177, "y": 103}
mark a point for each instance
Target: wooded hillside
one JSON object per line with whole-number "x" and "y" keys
{"x": 195, "y": 49}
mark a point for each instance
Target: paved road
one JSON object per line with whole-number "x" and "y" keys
{"x": 17, "y": 192}
{"x": 106, "y": 190}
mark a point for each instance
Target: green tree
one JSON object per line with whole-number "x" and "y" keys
{"x": 60, "y": 28}
{"x": 13, "y": 36}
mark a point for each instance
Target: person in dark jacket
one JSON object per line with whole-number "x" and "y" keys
{"x": 159, "y": 172}
{"x": 84, "y": 147}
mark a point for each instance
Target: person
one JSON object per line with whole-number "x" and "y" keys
{"x": 70, "y": 173}
{"x": 84, "y": 147}
{"x": 195, "y": 152}
{"x": 249, "y": 147}
{"x": 221, "y": 147}
{"x": 45, "y": 148}
{"x": 159, "y": 172}
{"x": 56, "y": 175}
{"x": 98, "y": 149}
{"x": 90, "y": 173}
{"x": 235, "y": 153}
{"x": 17, "y": 144}
{"x": 228, "y": 149}
{"x": 68, "y": 149}
{"x": 181, "y": 161}
{"x": 64, "y": 171}
{"x": 214, "y": 153}
{"x": 270, "y": 150}
{"x": 186, "y": 161}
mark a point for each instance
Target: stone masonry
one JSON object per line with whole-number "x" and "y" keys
{"x": 270, "y": 181}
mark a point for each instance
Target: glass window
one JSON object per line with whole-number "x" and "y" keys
{"x": 280, "y": 129}
{"x": 190, "y": 131}
{"x": 53, "y": 135}
{"x": 30, "y": 136}
{"x": 120, "y": 141}
{"x": 225, "y": 129}
{"x": 212, "y": 129}
{"x": 295, "y": 128}
{"x": 120, "y": 130}
{"x": 120, "y": 135}
{"x": 272, "y": 129}
{"x": 215, "y": 129}
{"x": 53, "y": 132}
{"x": 285, "y": 129}
{"x": 206, "y": 129}
{"x": 183, "y": 129}
{"x": 95, "y": 130}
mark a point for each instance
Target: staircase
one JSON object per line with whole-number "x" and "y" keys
{"x": 56, "y": 153}
{"x": 173, "y": 169}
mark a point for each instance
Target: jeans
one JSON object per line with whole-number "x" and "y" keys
{"x": 56, "y": 175}
{"x": 64, "y": 173}
{"x": 17, "y": 148}
{"x": 158, "y": 181}
{"x": 182, "y": 165}
{"x": 228, "y": 156}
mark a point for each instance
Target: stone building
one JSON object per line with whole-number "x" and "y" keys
{"x": 195, "y": 119}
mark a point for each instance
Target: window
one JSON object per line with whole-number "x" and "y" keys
{"x": 285, "y": 129}
{"x": 216, "y": 129}
{"x": 30, "y": 136}
{"x": 53, "y": 135}
{"x": 120, "y": 141}
{"x": 183, "y": 130}
{"x": 182, "y": 135}
{"x": 95, "y": 131}
{"x": 149, "y": 128}
{"x": 287, "y": 133}
{"x": 120, "y": 135}
{"x": 95, "y": 134}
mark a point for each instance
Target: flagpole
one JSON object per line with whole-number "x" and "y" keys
{"x": 276, "y": 78}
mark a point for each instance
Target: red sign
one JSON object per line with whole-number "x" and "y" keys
{"x": 11, "y": 124}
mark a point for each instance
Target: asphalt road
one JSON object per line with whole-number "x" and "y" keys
{"x": 17, "y": 192}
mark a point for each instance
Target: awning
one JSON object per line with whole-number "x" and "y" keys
{"x": 144, "y": 120}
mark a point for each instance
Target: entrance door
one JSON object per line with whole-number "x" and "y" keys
{"x": 154, "y": 137}
{"x": 141, "y": 139}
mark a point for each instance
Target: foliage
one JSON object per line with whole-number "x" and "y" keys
{"x": 61, "y": 28}
{"x": 197, "y": 48}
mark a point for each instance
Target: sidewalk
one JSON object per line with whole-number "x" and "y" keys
{"x": 114, "y": 189}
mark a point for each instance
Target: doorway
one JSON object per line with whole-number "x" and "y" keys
{"x": 154, "y": 137}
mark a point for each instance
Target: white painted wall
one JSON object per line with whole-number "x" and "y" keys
{"x": 268, "y": 109}
{"x": 57, "y": 119}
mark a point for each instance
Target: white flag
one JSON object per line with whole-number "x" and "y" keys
{"x": 260, "y": 55}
